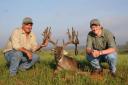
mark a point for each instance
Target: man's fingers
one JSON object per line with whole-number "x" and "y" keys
{"x": 95, "y": 53}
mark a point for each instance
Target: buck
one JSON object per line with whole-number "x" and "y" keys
{"x": 63, "y": 61}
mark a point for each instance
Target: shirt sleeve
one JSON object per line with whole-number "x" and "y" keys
{"x": 89, "y": 42}
{"x": 111, "y": 41}
{"x": 34, "y": 44}
{"x": 15, "y": 38}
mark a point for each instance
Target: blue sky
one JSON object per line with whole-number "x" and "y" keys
{"x": 63, "y": 14}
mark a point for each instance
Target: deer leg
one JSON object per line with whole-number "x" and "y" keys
{"x": 58, "y": 68}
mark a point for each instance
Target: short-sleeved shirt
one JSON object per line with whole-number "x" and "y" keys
{"x": 18, "y": 39}
{"x": 105, "y": 41}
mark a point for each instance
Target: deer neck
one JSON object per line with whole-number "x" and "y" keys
{"x": 58, "y": 58}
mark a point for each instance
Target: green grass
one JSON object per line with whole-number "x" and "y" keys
{"x": 41, "y": 73}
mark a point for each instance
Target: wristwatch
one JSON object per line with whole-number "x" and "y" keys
{"x": 101, "y": 53}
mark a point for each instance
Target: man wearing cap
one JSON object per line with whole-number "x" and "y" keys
{"x": 20, "y": 47}
{"x": 100, "y": 46}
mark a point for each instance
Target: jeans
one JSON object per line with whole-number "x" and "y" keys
{"x": 17, "y": 59}
{"x": 111, "y": 59}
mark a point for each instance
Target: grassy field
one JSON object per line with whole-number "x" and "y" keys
{"x": 41, "y": 73}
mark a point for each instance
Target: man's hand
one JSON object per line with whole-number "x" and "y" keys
{"x": 95, "y": 53}
{"x": 45, "y": 43}
{"x": 29, "y": 54}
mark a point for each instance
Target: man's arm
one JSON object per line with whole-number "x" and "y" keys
{"x": 27, "y": 52}
{"x": 107, "y": 51}
{"x": 97, "y": 53}
{"x": 111, "y": 44}
{"x": 44, "y": 44}
{"x": 89, "y": 46}
{"x": 89, "y": 50}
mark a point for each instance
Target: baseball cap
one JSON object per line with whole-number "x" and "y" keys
{"x": 94, "y": 22}
{"x": 27, "y": 20}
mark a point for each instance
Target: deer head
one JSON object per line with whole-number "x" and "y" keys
{"x": 59, "y": 50}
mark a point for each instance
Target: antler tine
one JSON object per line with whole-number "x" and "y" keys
{"x": 45, "y": 32}
{"x": 49, "y": 30}
{"x": 73, "y": 35}
{"x": 49, "y": 33}
{"x": 77, "y": 40}
{"x": 63, "y": 41}
{"x": 49, "y": 37}
{"x": 70, "y": 39}
{"x": 52, "y": 42}
{"x": 72, "y": 32}
{"x": 56, "y": 41}
{"x": 46, "y": 29}
{"x": 69, "y": 35}
{"x": 77, "y": 33}
{"x": 77, "y": 37}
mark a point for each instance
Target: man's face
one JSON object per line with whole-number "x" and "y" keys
{"x": 27, "y": 28}
{"x": 96, "y": 29}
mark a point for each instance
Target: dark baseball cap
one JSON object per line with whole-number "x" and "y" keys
{"x": 27, "y": 20}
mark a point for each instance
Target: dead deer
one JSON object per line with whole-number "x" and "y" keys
{"x": 63, "y": 61}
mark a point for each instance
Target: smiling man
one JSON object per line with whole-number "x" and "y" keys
{"x": 20, "y": 47}
{"x": 100, "y": 46}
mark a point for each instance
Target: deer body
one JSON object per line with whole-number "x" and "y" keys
{"x": 63, "y": 61}
{"x": 68, "y": 63}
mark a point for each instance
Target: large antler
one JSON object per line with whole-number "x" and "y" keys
{"x": 70, "y": 39}
{"x": 75, "y": 36}
{"x": 73, "y": 39}
{"x": 47, "y": 35}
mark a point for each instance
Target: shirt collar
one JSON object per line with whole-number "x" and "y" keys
{"x": 102, "y": 34}
{"x": 22, "y": 32}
